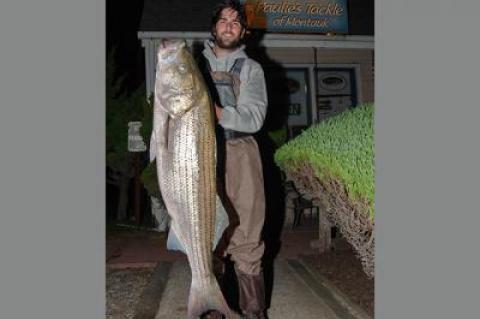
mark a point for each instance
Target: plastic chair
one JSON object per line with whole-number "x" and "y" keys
{"x": 299, "y": 200}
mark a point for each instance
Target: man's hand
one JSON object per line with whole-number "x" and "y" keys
{"x": 218, "y": 112}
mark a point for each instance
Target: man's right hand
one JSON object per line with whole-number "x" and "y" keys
{"x": 218, "y": 111}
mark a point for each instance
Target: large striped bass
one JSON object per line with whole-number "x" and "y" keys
{"x": 185, "y": 153}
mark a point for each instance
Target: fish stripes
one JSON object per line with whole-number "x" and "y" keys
{"x": 184, "y": 128}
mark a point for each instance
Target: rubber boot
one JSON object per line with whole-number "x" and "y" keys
{"x": 251, "y": 295}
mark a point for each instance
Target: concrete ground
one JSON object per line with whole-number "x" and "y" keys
{"x": 296, "y": 291}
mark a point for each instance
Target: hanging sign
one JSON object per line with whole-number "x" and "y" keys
{"x": 135, "y": 140}
{"x": 298, "y": 16}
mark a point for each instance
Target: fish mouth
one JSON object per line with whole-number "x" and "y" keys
{"x": 180, "y": 94}
{"x": 178, "y": 97}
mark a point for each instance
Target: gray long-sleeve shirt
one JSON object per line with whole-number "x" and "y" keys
{"x": 249, "y": 113}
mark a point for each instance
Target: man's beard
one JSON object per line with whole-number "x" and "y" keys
{"x": 229, "y": 44}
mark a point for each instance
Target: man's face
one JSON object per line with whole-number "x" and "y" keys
{"x": 228, "y": 31}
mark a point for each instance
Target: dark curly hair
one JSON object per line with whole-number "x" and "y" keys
{"x": 232, "y": 4}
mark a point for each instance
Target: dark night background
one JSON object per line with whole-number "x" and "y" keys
{"x": 122, "y": 23}
{"x": 125, "y": 18}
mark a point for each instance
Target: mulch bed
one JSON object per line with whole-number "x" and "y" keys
{"x": 123, "y": 290}
{"x": 344, "y": 270}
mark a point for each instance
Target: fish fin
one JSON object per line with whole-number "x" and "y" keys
{"x": 159, "y": 140}
{"x": 221, "y": 221}
{"x": 201, "y": 300}
{"x": 173, "y": 240}
{"x": 160, "y": 124}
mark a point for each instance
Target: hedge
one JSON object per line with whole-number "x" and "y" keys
{"x": 334, "y": 162}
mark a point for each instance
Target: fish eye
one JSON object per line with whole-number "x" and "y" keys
{"x": 166, "y": 55}
{"x": 182, "y": 68}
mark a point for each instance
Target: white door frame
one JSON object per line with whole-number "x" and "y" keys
{"x": 311, "y": 80}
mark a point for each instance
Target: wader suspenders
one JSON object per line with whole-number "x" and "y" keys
{"x": 237, "y": 67}
{"x": 226, "y": 83}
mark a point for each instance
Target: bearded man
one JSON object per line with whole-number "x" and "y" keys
{"x": 237, "y": 86}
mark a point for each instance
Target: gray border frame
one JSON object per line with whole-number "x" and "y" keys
{"x": 52, "y": 193}
{"x": 427, "y": 155}
{"x": 52, "y": 131}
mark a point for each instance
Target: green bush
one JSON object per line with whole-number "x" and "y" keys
{"x": 339, "y": 148}
{"x": 150, "y": 180}
{"x": 279, "y": 137}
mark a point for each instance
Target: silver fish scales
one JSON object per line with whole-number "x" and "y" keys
{"x": 185, "y": 153}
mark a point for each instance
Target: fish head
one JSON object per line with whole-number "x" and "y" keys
{"x": 177, "y": 77}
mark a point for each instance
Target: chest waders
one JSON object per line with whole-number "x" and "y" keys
{"x": 241, "y": 166}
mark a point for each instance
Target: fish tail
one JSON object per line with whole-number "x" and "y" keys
{"x": 207, "y": 298}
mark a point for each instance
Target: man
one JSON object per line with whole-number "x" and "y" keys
{"x": 238, "y": 88}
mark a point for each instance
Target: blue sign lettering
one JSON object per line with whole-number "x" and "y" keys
{"x": 307, "y": 16}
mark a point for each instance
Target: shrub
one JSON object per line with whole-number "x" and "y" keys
{"x": 334, "y": 162}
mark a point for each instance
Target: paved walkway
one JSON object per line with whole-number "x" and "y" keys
{"x": 298, "y": 292}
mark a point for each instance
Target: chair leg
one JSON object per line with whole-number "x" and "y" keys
{"x": 300, "y": 215}
{"x": 317, "y": 210}
{"x": 294, "y": 224}
{"x": 296, "y": 217}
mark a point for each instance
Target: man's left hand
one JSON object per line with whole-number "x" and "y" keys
{"x": 218, "y": 112}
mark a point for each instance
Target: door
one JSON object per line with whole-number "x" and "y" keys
{"x": 336, "y": 91}
{"x": 289, "y": 98}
